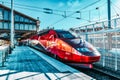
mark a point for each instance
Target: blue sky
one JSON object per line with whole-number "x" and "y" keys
{"x": 68, "y": 6}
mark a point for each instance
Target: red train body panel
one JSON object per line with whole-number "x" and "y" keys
{"x": 66, "y": 46}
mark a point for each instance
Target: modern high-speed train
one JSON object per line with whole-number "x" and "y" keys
{"x": 63, "y": 45}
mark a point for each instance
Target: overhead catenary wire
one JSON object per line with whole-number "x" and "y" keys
{"x": 116, "y": 5}
{"x": 75, "y": 11}
{"x": 34, "y": 7}
{"x": 114, "y": 8}
{"x": 117, "y": 14}
{"x": 42, "y": 12}
{"x": 46, "y": 10}
{"x": 40, "y": 8}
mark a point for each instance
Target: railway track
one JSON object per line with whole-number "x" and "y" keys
{"x": 98, "y": 74}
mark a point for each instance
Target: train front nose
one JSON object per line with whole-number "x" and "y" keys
{"x": 90, "y": 59}
{"x": 89, "y": 53}
{"x": 85, "y": 52}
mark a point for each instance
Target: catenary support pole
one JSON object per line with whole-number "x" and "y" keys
{"x": 109, "y": 13}
{"x": 12, "y": 26}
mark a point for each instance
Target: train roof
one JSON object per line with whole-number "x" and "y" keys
{"x": 43, "y": 31}
{"x": 59, "y": 31}
{"x": 47, "y": 30}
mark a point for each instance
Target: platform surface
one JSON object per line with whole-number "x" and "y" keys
{"x": 26, "y": 63}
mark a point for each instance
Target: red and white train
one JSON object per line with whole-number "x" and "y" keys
{"x": 62, "y": 44}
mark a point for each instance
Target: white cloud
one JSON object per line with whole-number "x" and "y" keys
{"x": 61, "y": 4}
{"x": 117, "y": 6}
{"x": 69, "y": 3}
{"x": 73, "y": 3}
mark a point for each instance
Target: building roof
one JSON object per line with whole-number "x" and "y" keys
{"x": 5, "y": 7}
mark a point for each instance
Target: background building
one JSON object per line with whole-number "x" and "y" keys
{"x": 23, "y": 25}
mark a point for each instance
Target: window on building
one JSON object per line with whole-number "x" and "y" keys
{"x": 17, "y": 27}
{"x": 26, "y": 27}
{"x": 34, "y": 27}
{"x": 27, "y": 20}
{"x": 21, "y": 27}
{"x": 9, "y": 25}
{"x": 1, "y": 25}
{"x": 31, "y": 21}
{"x": 1, "y": 15}
{"x": 30, "y": 27}
{"x": 9, "y": 15}
{"x": 6, "y": 25}
{"x": 6, "y": 17}
{"x": 17, "y": 18}
{"x": 21, "y": 19}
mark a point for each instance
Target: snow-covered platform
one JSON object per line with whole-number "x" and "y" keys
{"x": 26, "y": 63}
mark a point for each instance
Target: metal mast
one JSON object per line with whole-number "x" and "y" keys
{"x": 109, "y": 13}
{"x": 12, "y": 26}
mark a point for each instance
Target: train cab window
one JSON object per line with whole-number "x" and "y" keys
{"x": 86, "y": 51}
{"x": 65, "y": 34}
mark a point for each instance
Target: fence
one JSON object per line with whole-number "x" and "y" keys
{"x": 106, "y": 40}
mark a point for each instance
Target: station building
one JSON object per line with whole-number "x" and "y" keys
{"x": 23, "y": 24}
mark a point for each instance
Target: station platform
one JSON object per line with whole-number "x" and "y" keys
{"x": 25, "y": 63}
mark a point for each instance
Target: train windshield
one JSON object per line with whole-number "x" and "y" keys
{"x": 65, "y": 34}
{"x": 84, "y": 50}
